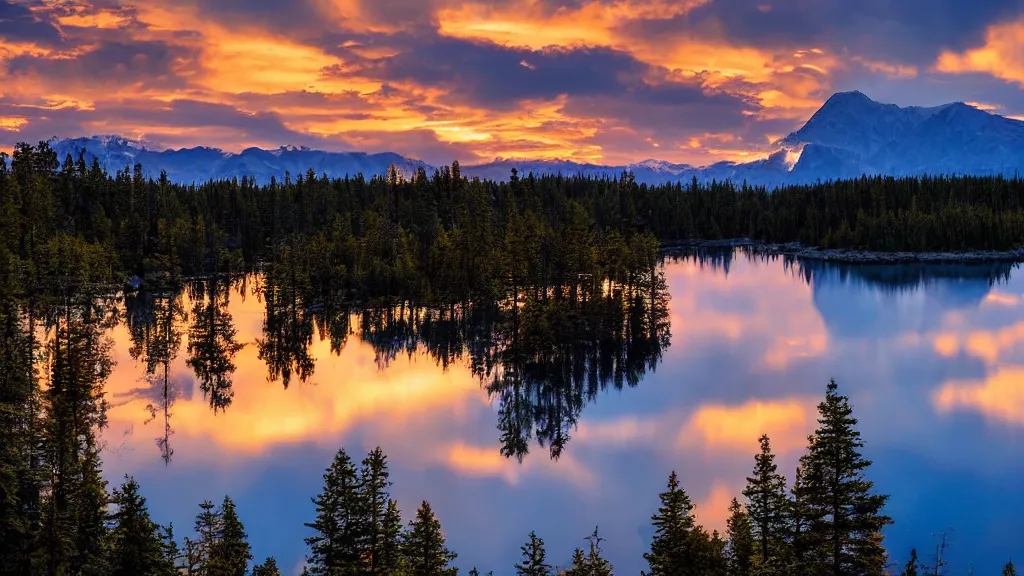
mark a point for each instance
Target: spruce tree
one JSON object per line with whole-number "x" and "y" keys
{"x": 741, "y": 540}
{"x": 1009, "y": 569}
{"x": 910, "y": 568}
{"x": 801, "y": 548}
{"x": 534, "y": 556}
{"x": 335, "y": 548}
{"x": 267, "y": 568}
{"x": 230, "y": 553}
{"x": 766, "y": 504}
{"x": 672, "y": 550}
{"x": 391, "y": 559}
{"x": 207, "y": 526}
{"x": 846, "y": 518}
{"x": 135, "y": 542}
{"x": 375, "y": 502}
{"x": 592, "y": 563}
{"x": 424, "y": 546}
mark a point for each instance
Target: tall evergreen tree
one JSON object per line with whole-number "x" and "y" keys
{"x": 207, "y": 526}
{"x": 766, "y": 505}
{"x": 846, "y": 517}
{"x": 375, "y": 502}
{"x": 135, "y": 542}
{"x": 230, "y": 553}
{"x": 534, "y": 558}
{"x": 424, "y": 546}
{"x": 741, "y": 540}
{"x": 19, "y": 484}
{"x": 338, "y": 527}
{"x": 672, "y": 550}
{"x": 390, "y": 559}
{"x": 910, "y": 568}
{"x": 592, "y": 563}
{"x": 267, "y": 568}
{"x": 1009, "y": 569}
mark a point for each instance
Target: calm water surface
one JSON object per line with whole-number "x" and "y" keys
{"x": 932, "y": 358}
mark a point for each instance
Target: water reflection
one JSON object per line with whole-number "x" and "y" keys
{"x": 931, "y": 358}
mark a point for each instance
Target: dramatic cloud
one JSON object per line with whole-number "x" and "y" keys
{"x": 693, "y": 81}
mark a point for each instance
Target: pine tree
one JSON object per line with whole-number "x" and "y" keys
{"x": 135, "y": 542}
{"x": 672, "y": 552}
{"x": 845, "y": 517}
{"x": 910, "y": 568}
{"x": 424, "y": 546}
{"x": 19, "y": 484}
{"x": 766, "y": 506}
{"x": 741, "y": 540}
{"x": 391, "y": 560}
{"x": 1009, "y": 570}
{"x": 207, "y": 526}
{"x": 338, "y": 524}
{"x": 268, "y": 568}
{"x": 534, "y": 556}
{"x": 375, "y": 502}
{"x": 592, "y": 563}
{"x": 800, "y": 542}
{"x": 230, "y": 553}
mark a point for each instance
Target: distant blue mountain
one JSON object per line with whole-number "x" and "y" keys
{"x": 848, "y": 136}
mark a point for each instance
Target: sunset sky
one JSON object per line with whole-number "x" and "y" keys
{"x": 609, "y": 81}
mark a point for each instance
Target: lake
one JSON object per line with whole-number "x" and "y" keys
{"x": 932, "y": 358}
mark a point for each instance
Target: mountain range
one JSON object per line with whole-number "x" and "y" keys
{"x": 848, "y": 136}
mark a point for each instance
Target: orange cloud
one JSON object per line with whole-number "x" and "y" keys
{"x": 999, "y": 56}
{"x": 999, "y": 397}
{"x": 712, "y": 511}
{"x": 488, "y": 462}
{"x": 788, "y": 422}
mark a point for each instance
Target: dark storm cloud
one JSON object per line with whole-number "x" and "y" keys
{"x": 44, "y": 123}
{"x": 150, "y": 63}
{"x": 906, "y": 31}
{"x": 267, "y": 126}
{"x": 290, "y": 17}
{"x": 498, "y": 77}
{"x": 19, "y": 24}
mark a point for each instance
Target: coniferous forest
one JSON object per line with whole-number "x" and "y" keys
{"x": 549, "y": 288}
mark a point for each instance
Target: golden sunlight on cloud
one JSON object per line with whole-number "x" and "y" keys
{"x": 11, "y": 123}
{"x": 999, "y": 397}
{"x": 1000, "y": 55}
{"x": 486, "y": 461}
{"x": 786, "y": 421}
{"x": 346, "y": 391}
{"x": 988, "y": 345}
{"x": 529, "y": 23}
{"x": 712, "y": 511}
{"x": 410, "y": 398}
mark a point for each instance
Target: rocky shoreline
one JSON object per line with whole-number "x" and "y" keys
{"x": 797, "y": 250}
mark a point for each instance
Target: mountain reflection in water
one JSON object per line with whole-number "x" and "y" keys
{"x": 248, "y": 387}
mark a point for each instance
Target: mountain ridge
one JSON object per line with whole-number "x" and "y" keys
{"x": 849, "y": 135}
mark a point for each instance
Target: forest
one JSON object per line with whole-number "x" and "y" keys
{"x": 442, "y": 238}
{"x": 549, "y": 288}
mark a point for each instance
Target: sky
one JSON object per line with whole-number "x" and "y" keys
{"x": 610, "y": 81}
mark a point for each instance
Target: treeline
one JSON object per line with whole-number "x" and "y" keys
{"x": 442, "y": 238}
{"x": 436, "y": 239}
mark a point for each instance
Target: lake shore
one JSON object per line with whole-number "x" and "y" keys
{"x": 798, "y": 250}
